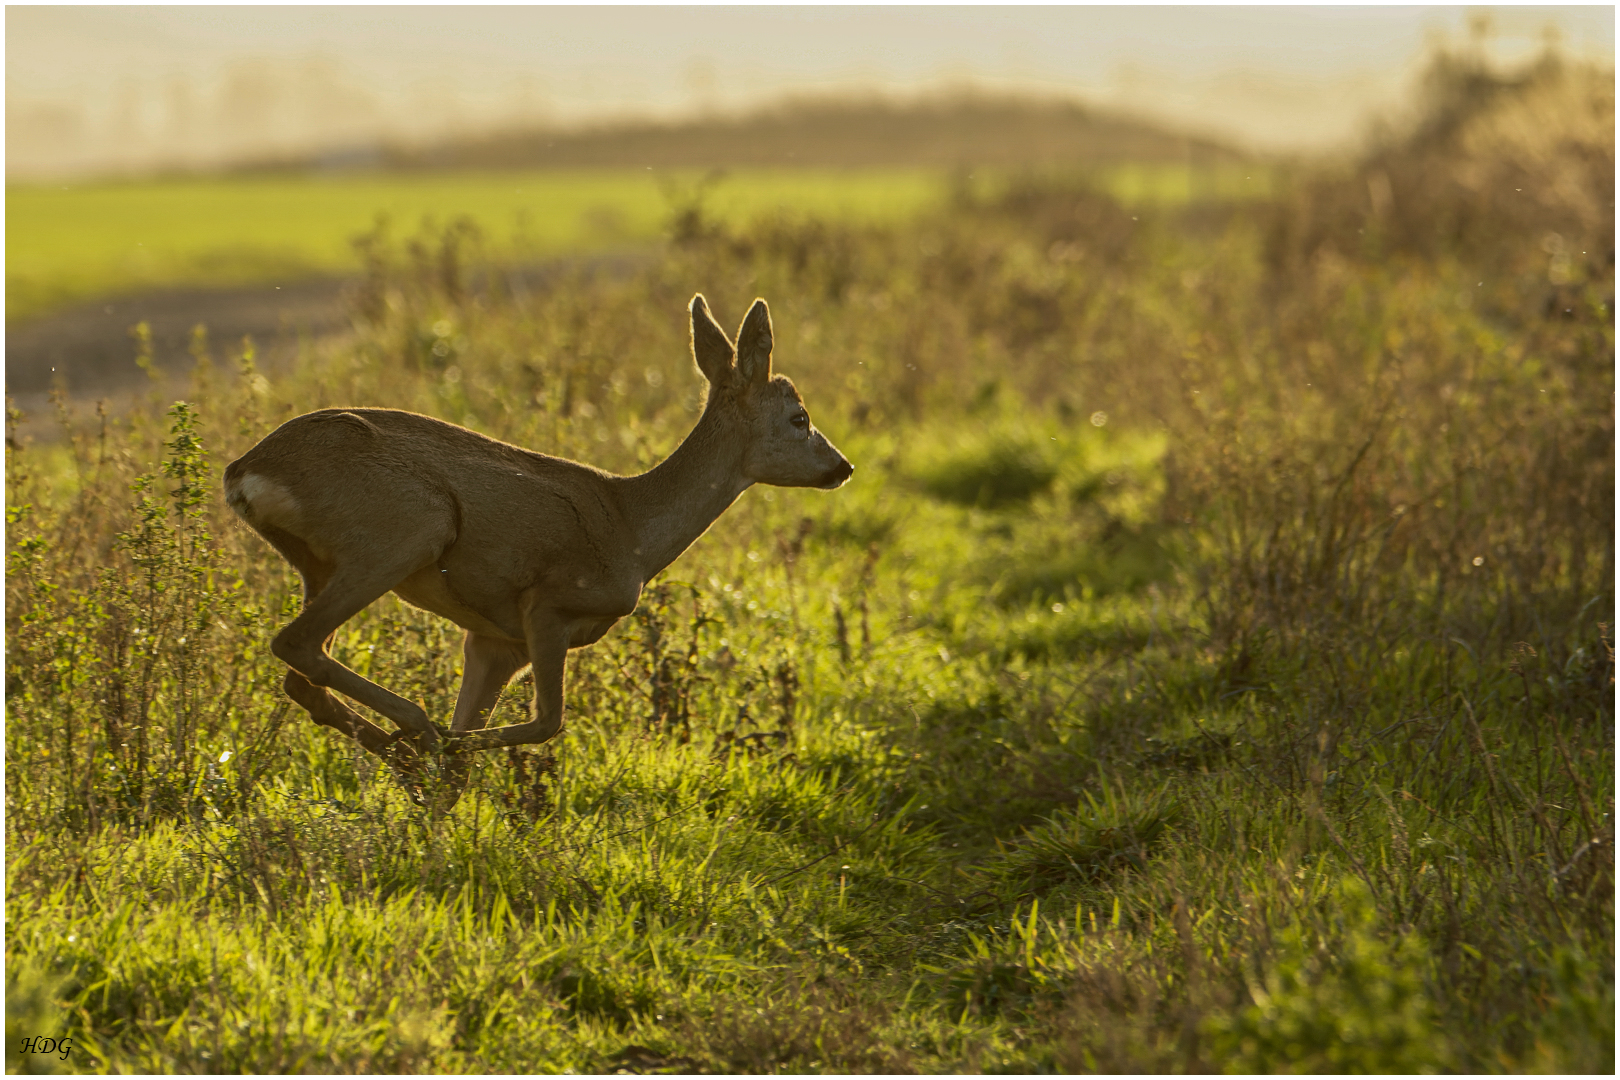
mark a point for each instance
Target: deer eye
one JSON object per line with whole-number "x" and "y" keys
{"x": 800, "y": 420}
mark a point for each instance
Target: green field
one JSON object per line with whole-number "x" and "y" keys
{"x": 79, "y": 242}
{"x": 1208, "y": 667}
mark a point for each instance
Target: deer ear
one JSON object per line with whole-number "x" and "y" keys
{"x": 710, "y": 347}
{"x": 754, "y": 344}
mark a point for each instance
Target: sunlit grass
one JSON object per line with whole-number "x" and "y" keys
{"x": 1173, "y": 185}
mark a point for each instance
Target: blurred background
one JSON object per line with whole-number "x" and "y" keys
{"x": 152, "y": 152}
{"x": 128, "y": 90}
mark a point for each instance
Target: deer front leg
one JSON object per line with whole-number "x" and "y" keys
{"x": 547, "y": 648}
{"x": 487, "y": 665}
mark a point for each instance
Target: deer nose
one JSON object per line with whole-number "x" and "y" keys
{"x": 838, "y": 474}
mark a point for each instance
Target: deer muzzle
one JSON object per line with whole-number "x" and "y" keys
{"x": 836, "y": 476}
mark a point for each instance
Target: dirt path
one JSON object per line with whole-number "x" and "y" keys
{"x": 89, "y": 349}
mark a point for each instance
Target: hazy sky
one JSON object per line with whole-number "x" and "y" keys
{"x": 119, "y": 87}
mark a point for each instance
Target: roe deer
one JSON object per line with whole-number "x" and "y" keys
{"x": 532, "y": 555}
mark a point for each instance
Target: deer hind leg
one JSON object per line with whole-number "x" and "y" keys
{"x": 328, "y": 711}
{"x": 302, "y": 644}
{"x": 322, "y": 707}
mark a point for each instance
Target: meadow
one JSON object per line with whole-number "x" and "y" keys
{"x": 1208, "y": 668}
{"x": 69, "y": 243}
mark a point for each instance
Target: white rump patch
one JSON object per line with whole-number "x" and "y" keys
{"x": 262, "y": 501}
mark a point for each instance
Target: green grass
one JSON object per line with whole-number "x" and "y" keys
{"x": 1171, "y": 185}
{"x": 1208, "y": 668}
{"x": 77, "y": 242}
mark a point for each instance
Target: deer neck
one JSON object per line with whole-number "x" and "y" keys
{"x": 675, "y": 502}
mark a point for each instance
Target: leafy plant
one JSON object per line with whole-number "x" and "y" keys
{"x": 1338, "y": 998}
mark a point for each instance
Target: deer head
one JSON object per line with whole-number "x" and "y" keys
{"x": 781, "y": 446}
